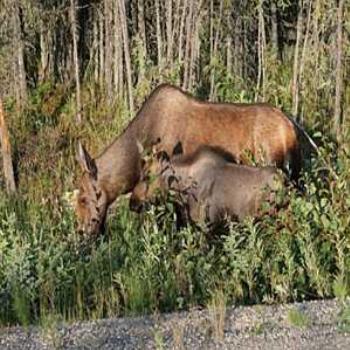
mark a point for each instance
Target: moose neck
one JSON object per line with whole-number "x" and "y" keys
{"x": 119, "y": 164}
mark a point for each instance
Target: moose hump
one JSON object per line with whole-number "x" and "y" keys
{"x": 172, "y": 116}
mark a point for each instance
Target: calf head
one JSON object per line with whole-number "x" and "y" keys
{"x": 151, "y": 179}
{"x": 91, "y": 202}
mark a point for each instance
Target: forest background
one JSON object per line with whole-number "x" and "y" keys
{"x": 81, "y": 69}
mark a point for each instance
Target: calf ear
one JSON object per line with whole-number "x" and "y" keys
{"x": 163, "y": 156}
{"x": 178, "y": 149}
{"x": 86, "y": 162}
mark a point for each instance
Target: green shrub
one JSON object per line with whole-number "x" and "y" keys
{"x": 145, "y": 263}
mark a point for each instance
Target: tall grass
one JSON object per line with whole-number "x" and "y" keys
{"x": 143, "y": 263}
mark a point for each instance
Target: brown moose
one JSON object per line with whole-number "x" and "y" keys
{"x": 210, "y": 186}
{"x": 172, "y": 115}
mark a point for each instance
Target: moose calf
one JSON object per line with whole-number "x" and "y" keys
{"x": 211, "y": 185}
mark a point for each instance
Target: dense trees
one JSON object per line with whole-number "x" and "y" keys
{"x": 217, "y": 47}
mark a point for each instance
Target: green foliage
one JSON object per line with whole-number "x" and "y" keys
{"x": 146, "y": 263}
{"x": 344, "y": 320}
{"x": 297, "y": 318}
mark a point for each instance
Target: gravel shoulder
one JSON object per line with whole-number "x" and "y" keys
{"x": 308, "y": 325}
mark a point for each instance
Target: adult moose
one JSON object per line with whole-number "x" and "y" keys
{"x": 173, "y": 116}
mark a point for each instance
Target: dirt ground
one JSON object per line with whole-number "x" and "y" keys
{"x": 308, "y": 325}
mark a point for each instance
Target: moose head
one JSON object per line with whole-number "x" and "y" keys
{"x": 91, "y": 202}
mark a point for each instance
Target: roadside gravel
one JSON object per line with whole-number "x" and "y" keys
{"x": 309, "y": 325}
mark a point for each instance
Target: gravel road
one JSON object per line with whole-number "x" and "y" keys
{"x": 309, "y": 325}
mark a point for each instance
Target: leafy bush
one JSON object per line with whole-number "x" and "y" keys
{"x": 145, "y": 263}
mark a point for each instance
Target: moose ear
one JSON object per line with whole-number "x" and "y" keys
{"x": 163, "y": 156}
{"x": 86, "y": 162}
{"x": 178, "y": 149}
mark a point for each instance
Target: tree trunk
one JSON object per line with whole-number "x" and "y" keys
{"x": 229, "y": 42}
{"x": 215, "y": 49}
{"x": 75, "y": 59}
{"x": 194, "y": 54}
{"x": 143, "y": 42}
{"x": 338, "y": 71}
{"x": 260, "y": 78}
{"x": 302, "y": 58}
{"x": 295, "y": 85}
{"x": 181, "y": 30}
{"x": 6, "y": 153}
{"x": 108, "y": 72}
{"x": 44, "y": 54}
{"x": 176, "y": 27}
{"x": 189, "y": 29}
{"x": 238, "y": 54}
{"x": 274, "y": 28}
{"x": 122, "y": 16}
{"x": 19, "y": 54}
{"x": 95, "y": 51}
{"x": 159, "y": 36}
{"x": 118, "y": 53}
{"x": 263, "y": 47}
{"x": 141, "y": 24}
{"x": 169, "y": 31}
{"x": 101, "y": 47}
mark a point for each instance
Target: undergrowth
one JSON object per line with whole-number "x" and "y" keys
{"x": 144, "y": 263}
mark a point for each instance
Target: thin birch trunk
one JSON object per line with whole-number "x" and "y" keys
{"x": 95, "y": 48}
{"x": 169, "y": 31}
{"x": 75, "y": 59}
{"x": 338, "y": 71}
{"x": 195, "y": 45}
{"x": 316, "y": 48}
{"x": 263, "y": 46}
{"x": 6, "y": 153}
{"x": 176, "y": 26}
{"x": 108, "y": 49}
{"x": 211, "y": 29}
{"x": 19, "y": 47}
{"x": 44, "y": 54}
{"x": 101, "y": 46}
{"x": 118, "y": 53}
{"x": 181, "y": 29}
{"x": 126, "y": 53}
{"x": 295, "y": 84}
{"x": 214, "y": 55}
{"x": 237, "y": 57}
{"x": 302, "y": 58}
{"x": 306, "y": 41}
{"x": 259, "y": 78}
{"x": 229, "y": 42}
{"x": 141, "y": 24}
{"x": 159, "y": 36}
{"x": 274, "y": 27}
{"x": 189, "y": 28}
{"x": 142, "y": 36}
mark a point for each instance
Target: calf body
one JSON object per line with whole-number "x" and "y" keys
{"x": 212, "y": 187}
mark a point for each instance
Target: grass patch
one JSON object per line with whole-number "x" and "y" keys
{"x": 344, "y": 320}
{"x": 217, "y": 312}
{"x": 297, "y": 318}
